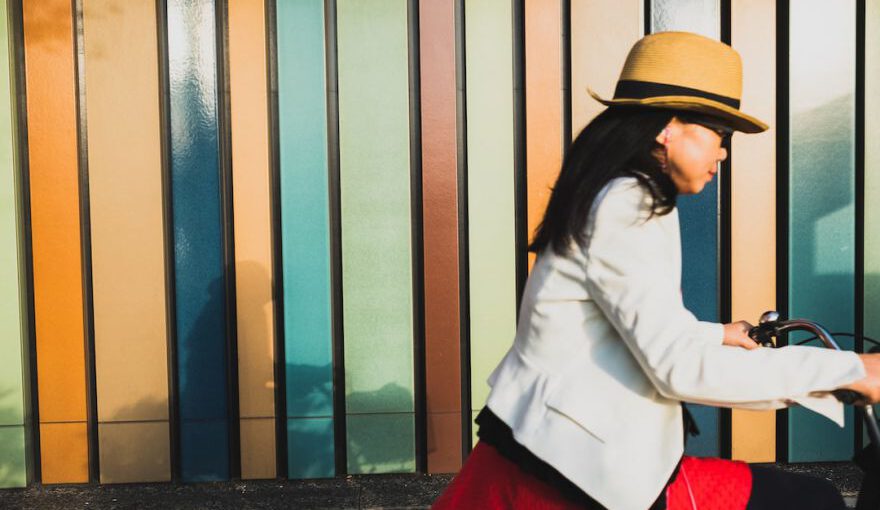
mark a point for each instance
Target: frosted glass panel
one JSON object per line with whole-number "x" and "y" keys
{"x": 822, "y": 196}
{"x": 700, "y": 16}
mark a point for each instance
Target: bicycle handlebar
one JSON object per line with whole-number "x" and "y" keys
{"x": 771, "y": 326}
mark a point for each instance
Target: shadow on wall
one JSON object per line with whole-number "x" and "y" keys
{"x": 380, "y": 442}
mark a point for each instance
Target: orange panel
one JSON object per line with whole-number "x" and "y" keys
{"x": 253, "y": 234}
{"x": 55, "y": 225}
{"x": 68, "y": 459}
{"x": 753, "y": 205}
{"x": 543, "y": 105}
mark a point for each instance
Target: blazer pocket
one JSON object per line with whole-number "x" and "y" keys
{"x": 588, "y": 410}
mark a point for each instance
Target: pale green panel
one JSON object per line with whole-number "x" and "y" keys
{"x": 375, "y": 196}
{"x": 11, "y": 329}
{"x": 872, "y": 170}
{"x": 490, "y": 182}
{"x": 13, "y": 471}
{"x": 700, "y": 16}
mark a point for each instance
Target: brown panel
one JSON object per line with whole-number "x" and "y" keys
{"x": 65, "y": 457}
{"x": 444, "y": 442}
{"x": 753, "y": 206}
{"x": 601, "y": 35}
{"x": 253, "y": 235}
{"x": 440, "y": 201}
{"x": 134, "y": 452}
{"x": 55, "y": 226}
{"x": 128, "y": 263}
{"x": 543, "y": 105}
{"x": 258, "y": 448}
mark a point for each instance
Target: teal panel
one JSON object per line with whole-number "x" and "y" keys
{"x": 376, "y": 222}
{"x": 305, "y": 223}
{"x": 12, "y": 457}
{"x": 822, "y": 196}
{"x": 381, "y": 443}
{"x": 699, "y": 215}
{"x": 310, "y": 452}
{"x": 490, "y": 183}
{"x": 13, "y": 469}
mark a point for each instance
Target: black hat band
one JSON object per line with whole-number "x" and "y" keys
{"x": 631, "y": 89}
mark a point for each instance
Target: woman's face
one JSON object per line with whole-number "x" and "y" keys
{"x": 692, "y": 154}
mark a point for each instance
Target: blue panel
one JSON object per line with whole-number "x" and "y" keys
{"x": 699, "y": 256}
{"x": 310, "y": 452}
{"x": 198, "y": 242}
{"x": 822, "y": 196}
{"x": 699, "y": 216}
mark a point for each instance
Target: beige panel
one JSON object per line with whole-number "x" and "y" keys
{"x": 258, "y": 448}
{"x": 125, "y": 186}
{"x": 251, "y": 202}
{"x": 753, "y": 189}
{"x": 134, "y": 452}
{"x": 601, "y": 35}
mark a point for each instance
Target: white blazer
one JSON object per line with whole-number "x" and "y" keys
{"x": 605, "y": 351}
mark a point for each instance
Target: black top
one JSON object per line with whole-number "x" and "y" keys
{"x": 498, "y": 434}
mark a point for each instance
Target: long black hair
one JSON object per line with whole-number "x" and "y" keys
{"x": 620, "y": 141}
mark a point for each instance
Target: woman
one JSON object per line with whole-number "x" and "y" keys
{"x": 585, "y": 409}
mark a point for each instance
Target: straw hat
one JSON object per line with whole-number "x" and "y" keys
{"x": 684, "y": 71}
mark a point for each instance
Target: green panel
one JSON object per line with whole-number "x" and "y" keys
{"x": 822, "y": 196}
{"x": 381, "y": 443}
{"x": 490, "y": 182}
{"x": 872, "y": 171}
{"x": 12, "y": 457}
{"x": 376, "y": 222}
{"x": 12, "y": 350}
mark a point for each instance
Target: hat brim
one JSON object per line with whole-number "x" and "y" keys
{"x": 734, "y": 118}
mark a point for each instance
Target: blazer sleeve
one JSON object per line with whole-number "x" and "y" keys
{"x": 628, "y": 277}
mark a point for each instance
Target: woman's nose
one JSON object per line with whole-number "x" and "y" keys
{"x": 722, "y": 154}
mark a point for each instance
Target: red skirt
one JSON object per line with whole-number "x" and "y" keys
{"x": 490, "y": 481}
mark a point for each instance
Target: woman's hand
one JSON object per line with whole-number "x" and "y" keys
{"x": 869, "y": 386}
{"x": 737, "y": 335}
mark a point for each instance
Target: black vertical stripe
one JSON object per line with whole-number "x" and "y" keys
{"x": 566, "y": 76}
{"x": 725, "y": 312}
{"x": 520, "y": 162}
{"x": 339, "y": 421}
{"x": 168, "y": 236}
{"x": 86, "y": 244}
{"x": 418, "y": 245}
{"x": 277, "y": 246}
{"x": 224, "y": 123}
{"x": 463, "y": 245}
{"x": 860, "y": 195}
{"x": 646, "y": 14}
{"x": 782, "y": 191}
{"x": 19, "y": 109}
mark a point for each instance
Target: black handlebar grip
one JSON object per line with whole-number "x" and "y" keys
{"x": 848, "y": 397}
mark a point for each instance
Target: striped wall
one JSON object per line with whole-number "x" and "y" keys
{"x": 285, "y": 238}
